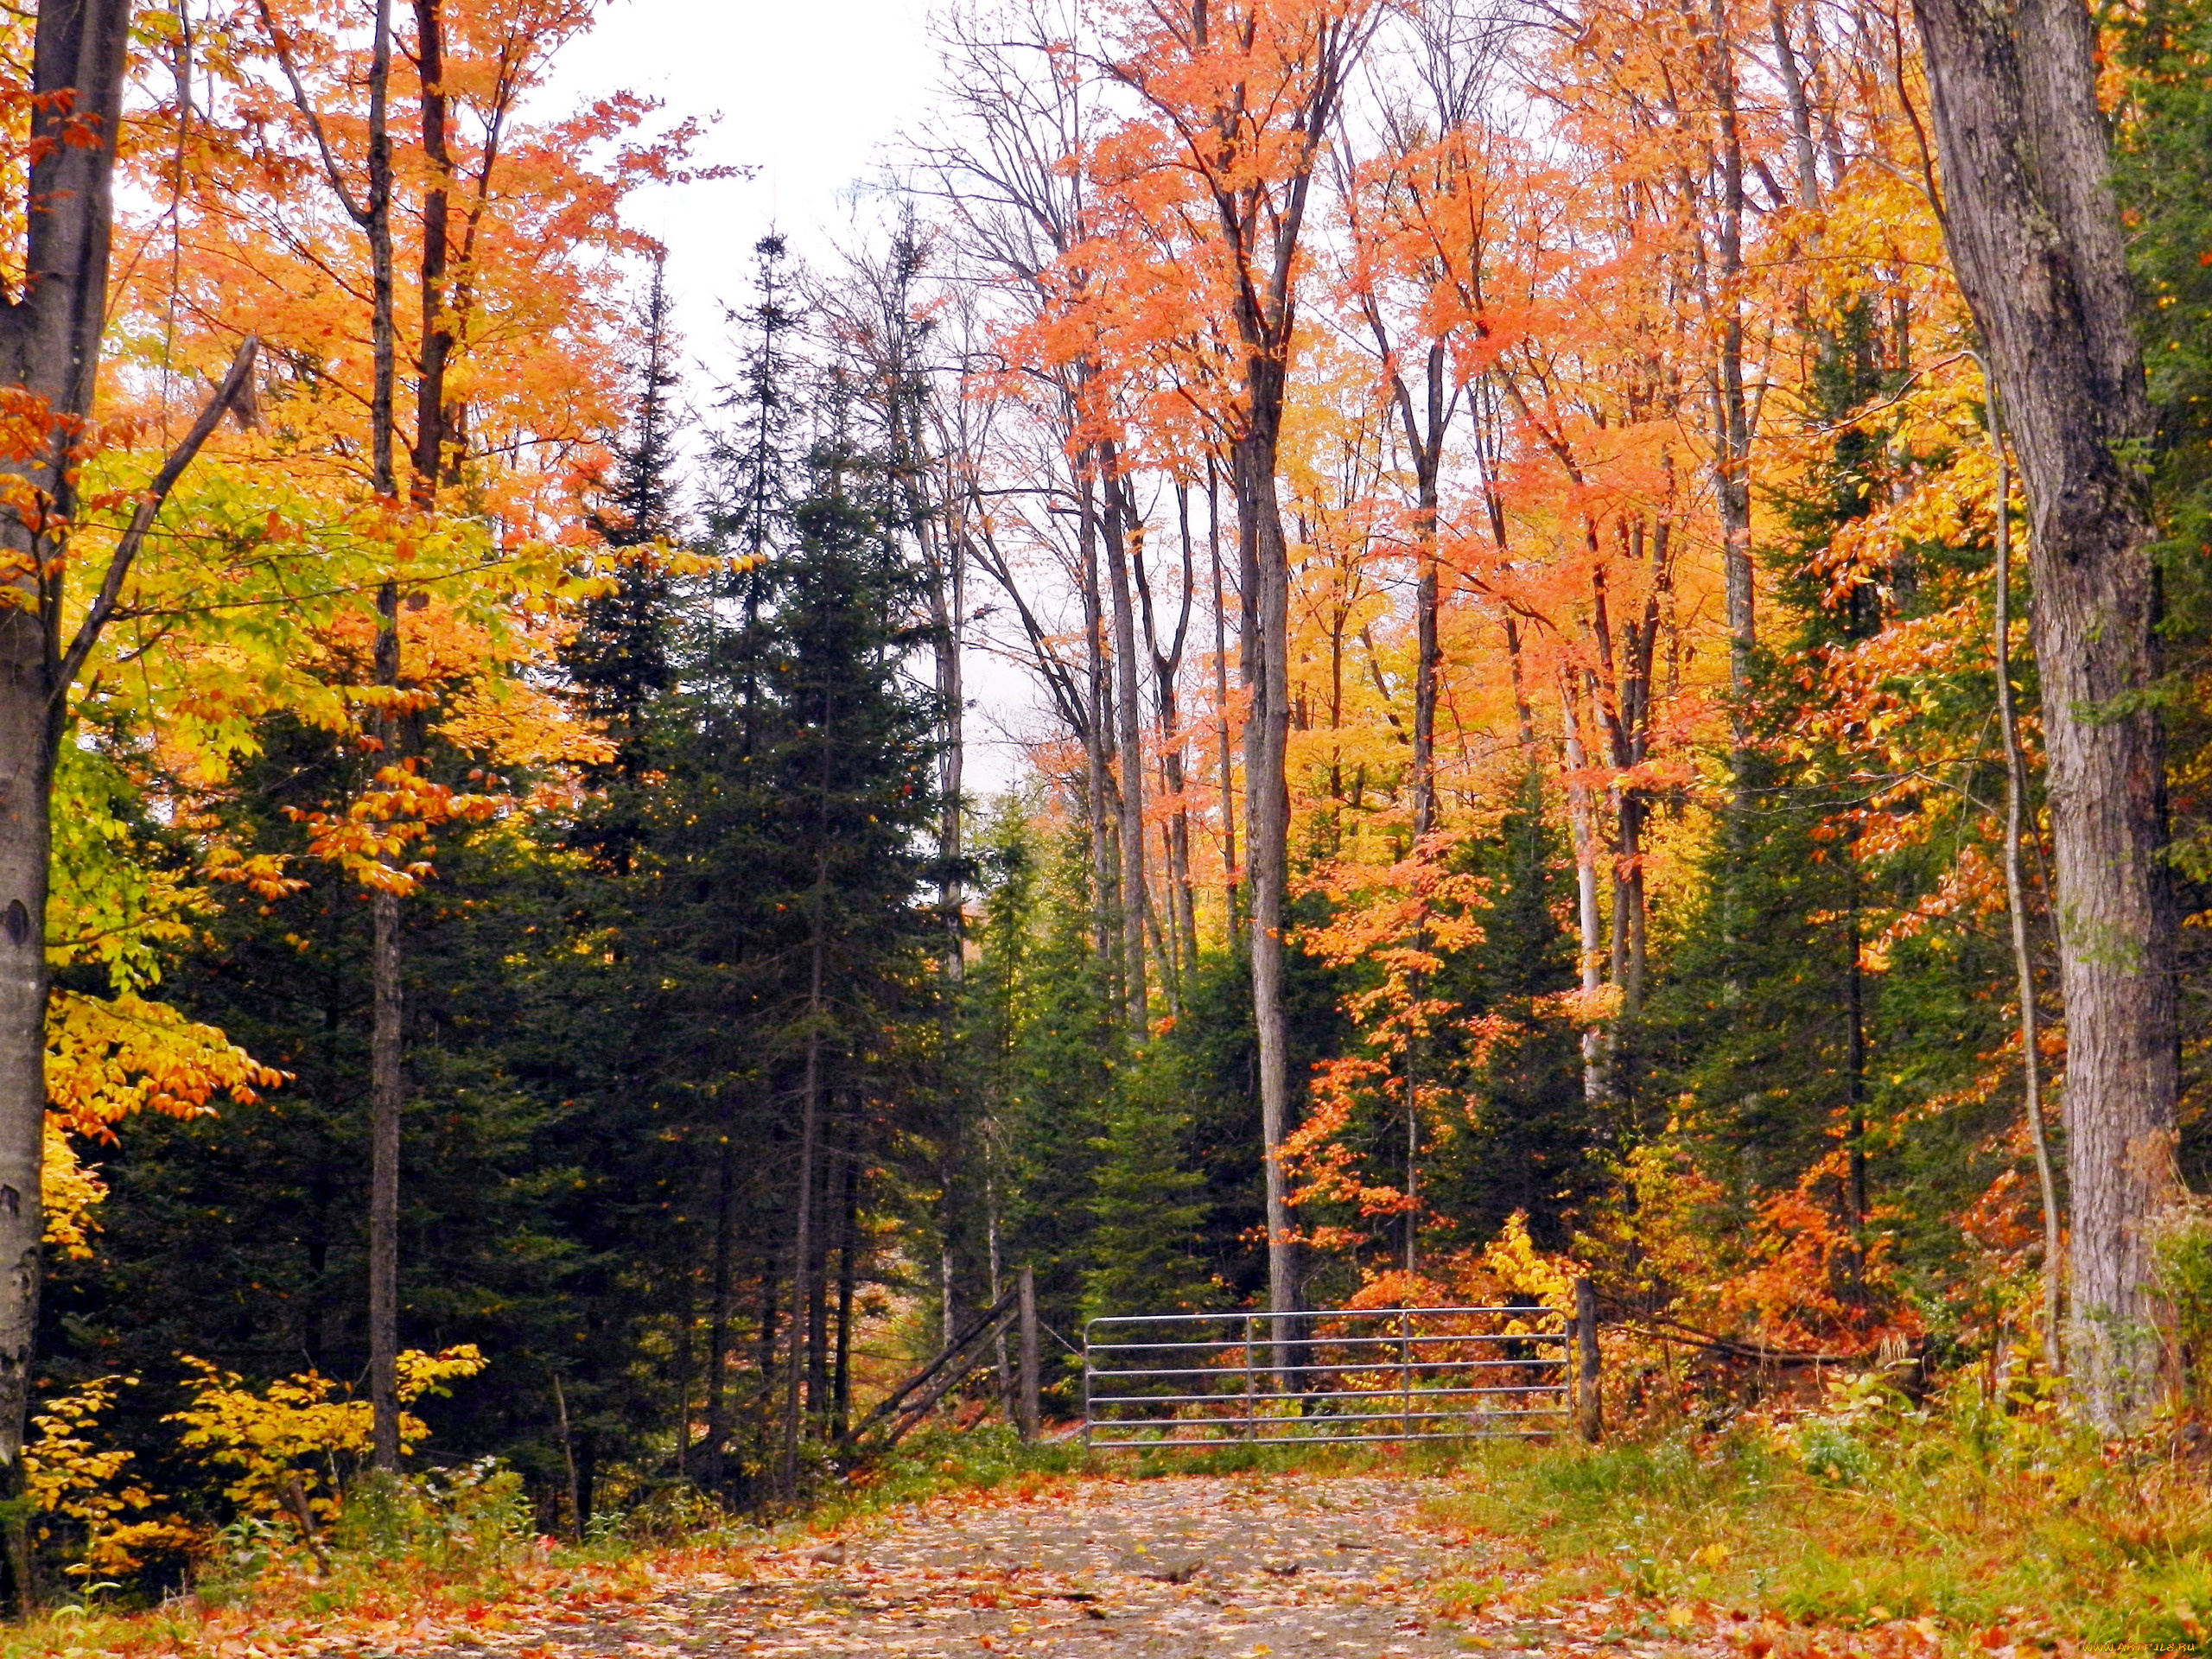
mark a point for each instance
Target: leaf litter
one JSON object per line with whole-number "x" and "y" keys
{"x": 1317, "y": 1567}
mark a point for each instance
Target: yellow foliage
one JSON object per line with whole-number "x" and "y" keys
{"x": 69, "y": 1192}
{"x": 1655, "y": 1237}
{"x": 109, "y": 1057}
{"x": 297, "y": 1422}
{"x": 68, "y": 1478}
{"x": 1514, "y": 1263}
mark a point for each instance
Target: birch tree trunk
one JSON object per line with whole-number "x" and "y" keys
{"x": 2035, "y": 237}
{"x": 49, "y": 347}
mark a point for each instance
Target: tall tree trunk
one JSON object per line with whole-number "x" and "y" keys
{"x": 2036, "y": 240}
{"x": 437, "y": 326}
{"x": 1221, "y": 710}
{"x": 810, "y": 1130}
{"x": 387, "y": 1085}
{"x": 803, "y": 1185}
{"x": 1854, "y": 1071}
{"x": 718, "y": 1321}
{"x": 1424, "y": 434}
{"x": 1096, "y": 740}
{"x": 386, "y": 1055}
{"x": 1175, "y": 831}
{"x": 945, "y": 562}
{"x": 765, "y": 1339}
{"x": 1731, "y": 452}
{"x": 1182, "y": 896}
{"x": 840, "y": 1401}
{"x": 817, "y": 1315}
{"x": 687, "y": 1335}
{"x": 50, "y": 336}
{"x": 2015, "y": 904}
{"x": 1119, "y": 525}
{"x": 1801, "y": 116}
{"x": 1267, "y": 794}
{"x": 1582, "y": 831}
{"x": 1524, "y": 716}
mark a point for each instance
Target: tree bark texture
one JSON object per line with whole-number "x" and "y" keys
{"x": 1118, "y": 523}
{"x": 386, "y": 1053}
{"x": 1732, "y": 449}
{"x": 1581, "y": 816}
{"x": 50, "y": 335}
{"x": 1426, "y": 440}
{"x": 437, "y": 328}
{"x": 387, "y": 1089}
{"x": 1229, "y": 870}
{"x": 2023, "y": 968}
{"x": 1095, "y": 741}
{"x": 1266, "y": 794}
{"x": 1167, "y": 655}
{"x": 376, "y": 219}
{"x": 2036, "y": 237}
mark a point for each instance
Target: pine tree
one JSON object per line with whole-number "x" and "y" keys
{"x": 1148, "y": 1208}
{"x": 618, "y": 659}
{"x": 1522, "y": 1140}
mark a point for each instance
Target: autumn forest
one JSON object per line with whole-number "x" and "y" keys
{"x": 1603, "y": 608}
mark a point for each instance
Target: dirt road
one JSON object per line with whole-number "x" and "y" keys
{"x": 1321, "y": 1568}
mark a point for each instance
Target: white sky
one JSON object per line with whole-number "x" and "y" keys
{"x": 807, "y": 94}
{"x": 810, "y": 95}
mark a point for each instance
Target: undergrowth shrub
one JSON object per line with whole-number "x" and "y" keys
{"x": 476, "y": 1514}
{"x": 2182, "y": 1261}
{"x": 1981, "y": 1516}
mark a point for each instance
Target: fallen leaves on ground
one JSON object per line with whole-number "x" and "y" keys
{"x": 1309, "y": 1566}
{"x": 1181, "y": 1566}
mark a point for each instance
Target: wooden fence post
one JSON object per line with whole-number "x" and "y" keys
{"x": 1026, "y": 1404}
{"x": 1587, "y": 1406}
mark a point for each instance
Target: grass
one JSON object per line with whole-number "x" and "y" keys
{"x": 1982, "y": 1526}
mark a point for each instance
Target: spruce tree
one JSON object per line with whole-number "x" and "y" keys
{"x": 619, "y": 660}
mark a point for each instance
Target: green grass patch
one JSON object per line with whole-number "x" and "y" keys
{"x": 1970, "y": 1519}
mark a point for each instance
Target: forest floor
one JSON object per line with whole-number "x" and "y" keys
{"x": 1914, "y": 1536}
{"x": 1167, "y": 1569}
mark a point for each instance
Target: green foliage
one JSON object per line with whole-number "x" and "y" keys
{"x": 2181, "y": 1256}
{"x": 1522, "y": 1143}
{"x": 609, "y": 1018}
{"x": 1147, "y": 1209}
{"x": 475, "y": 1515}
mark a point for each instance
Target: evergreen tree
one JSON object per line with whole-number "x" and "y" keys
{"x": 618, "y": 659}
{"x": 1522, "y": 1138}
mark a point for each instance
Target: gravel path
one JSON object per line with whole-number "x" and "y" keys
{"x": 1165, "y": 1569}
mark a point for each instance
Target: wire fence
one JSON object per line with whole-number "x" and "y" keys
{"x": 1344, "y": 1377}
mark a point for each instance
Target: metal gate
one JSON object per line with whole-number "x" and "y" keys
{"x": 1352, "y": 1375}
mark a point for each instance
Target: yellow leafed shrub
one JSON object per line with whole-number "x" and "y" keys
{"x": 76, "y": 1485}
{"x": 69, "y": 1190}
{"x": 302, "y": 1426}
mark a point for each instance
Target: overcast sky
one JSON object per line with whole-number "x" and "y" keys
{"x": 809, "y": 95}
{"x": 805, "y": 93}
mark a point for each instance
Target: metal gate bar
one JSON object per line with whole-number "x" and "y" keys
{"x": 1344, "y": 1375}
